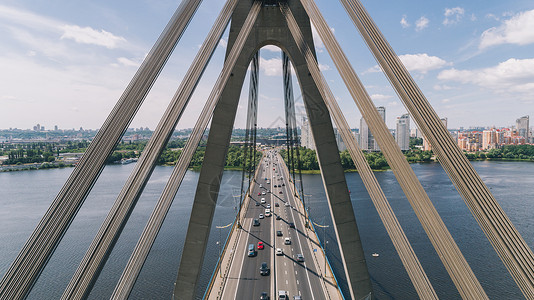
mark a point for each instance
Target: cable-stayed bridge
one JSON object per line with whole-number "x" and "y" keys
{"x": 286, "y": 24}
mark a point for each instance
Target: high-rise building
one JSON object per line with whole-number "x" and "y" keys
{"x": 367, "y": 141}
{"x": 402, "y": 133}
{"x": 489, "y": 139}
{"x": 522, "y": 127}
{"x": 339, "y": 140}
{"x": 306, "y": 136}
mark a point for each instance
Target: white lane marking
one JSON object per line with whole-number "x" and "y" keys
{"x": 285, "y": 272}
{"x": 298, "y": 281}
{"x": 245, "y": 237}
{"x": 300, "y": 246}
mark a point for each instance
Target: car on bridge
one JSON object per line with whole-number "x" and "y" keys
{"x": 260, "y": 245}
{"x": 264, "y": 296}
{"x": 279, "y": 233}
{"x": 291, "y": 225}
{"x": 287, "y": 241}
{"x": 261, "y": 216}
{"x": 251, "y": 250}
{"x": 264, "y": 269}
{"x": 279, "y": 251}
{"x": 300, "y": 257}
{"x": 256, "y": 222}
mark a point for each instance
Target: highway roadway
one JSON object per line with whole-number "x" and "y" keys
{"x": 286, "y": 273}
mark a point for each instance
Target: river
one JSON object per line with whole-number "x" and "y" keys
{"x": 26, "y": 195}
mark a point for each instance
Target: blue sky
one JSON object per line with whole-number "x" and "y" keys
{"x": 66, "y": 63}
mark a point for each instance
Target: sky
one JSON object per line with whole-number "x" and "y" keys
{"x": 66, "y": 63}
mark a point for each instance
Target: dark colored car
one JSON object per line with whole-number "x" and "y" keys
{"x": 279, "y": 233}
{"x": 264, "y": 269}
{"x": 291, "y": 225}
{"x": 280, "y": 192}
{"x": 278, "y": 217}
{"x": 256, "y": 222}
{"x": 264, "y": 296}
{"x": 276, "y": 204}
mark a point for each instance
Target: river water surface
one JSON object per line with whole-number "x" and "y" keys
{"x": 26, "y": 195}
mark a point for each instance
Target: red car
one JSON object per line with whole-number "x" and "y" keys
{"x": 260, "y": 245}
{"x": 259, "y": 194}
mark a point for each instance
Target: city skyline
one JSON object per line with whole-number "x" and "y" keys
{"x": 67, "y": 65}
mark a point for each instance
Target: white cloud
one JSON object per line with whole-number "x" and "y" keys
{"x": 453, "y": 15}
{"x": 516, "y": 30}
{"x": 223, "y": 43}
{"x": 422, "y": 62}
{"x": 272, "y": 48}
{"x": 374, "y": 69}
{"x": 404, "y": 23}
{"x": 271, "y": 67}
{"x": 378, "y": 97}
{"x": 88, "y": 35}
{"x": 442, "y": 87}
{"x": 511, "y": 76}
{"x": 128, "y": 62}
{"x": 324, "y": 67}
{"x": 421, "y": 24}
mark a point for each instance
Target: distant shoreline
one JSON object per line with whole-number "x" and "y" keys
{"x": 60, "y": 165}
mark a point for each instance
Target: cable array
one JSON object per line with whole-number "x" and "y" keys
{"x": 506, "y": 240}
{"x": 182, "y": 290}
{"x": 22, "y": 274}
{"x": 399, "y": 239}
{"x": 249, "y": 153}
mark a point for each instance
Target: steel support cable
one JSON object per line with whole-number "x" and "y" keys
{"x": 353, "y": 282}
{"x": 292, "y": 125}
{"x": 253, "y": 114}
{"x": 448, "y": 251}
{"x": 393, "y": 166}
{"x": 288, "y": 99}
{"x": 413, "y": 267}
{"x": 248, "y": 154}
{"x": 22, "y": 274}
{"x": 101, "y": 246}
{"x": 157, "y": 217}
{"x": 463, "y": 190}
{"x": 513, "y": 250}
{"x": 174, "y": 181}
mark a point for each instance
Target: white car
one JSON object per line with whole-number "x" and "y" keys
{"x": 279, "y": 251}
{"x": 263, "y": 193}
{"x": 262, "y": 200}
{"x": 261, "y": 216}
{"x": 287, "y": 241}
{"x": 268, "y": 205}
{"x": 287, "y": 204}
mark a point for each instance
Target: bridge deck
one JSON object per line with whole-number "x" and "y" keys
{"x": 239, "y": 275}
